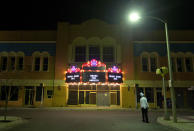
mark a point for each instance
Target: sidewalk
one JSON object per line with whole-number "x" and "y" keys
{"x": 184, "y": 123}
{"x": 13, "y": 121}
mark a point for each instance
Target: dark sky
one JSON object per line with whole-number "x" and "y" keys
{"x": 36, "y": 15}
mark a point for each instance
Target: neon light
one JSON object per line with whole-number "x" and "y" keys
{"x": 73, "y": 69}
{"x": 114, "y": 69}
{"x": 94, "y": 63}
{"x": 113, "y": 75}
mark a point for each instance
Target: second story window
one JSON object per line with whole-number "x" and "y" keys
{"x": 12, "y": 63}
{"x": 188, "y": 64}
{"x": 45, "y": 64}
{"x": 145, "y": 64}
{"x": 179, "y": 64}
{"x": 80, "y": 54}
{"x": 20, "y": 63}
{"x": 37, "y": 64}
{"x": 153, "y": 64}
{"x": 4, "y": 63}
{"x": 94, "y": 52}
{"x": 108, "y": 54}
{"x": 173, "y": 64}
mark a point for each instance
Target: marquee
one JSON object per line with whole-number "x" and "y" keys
{"x": 93, "y": 72}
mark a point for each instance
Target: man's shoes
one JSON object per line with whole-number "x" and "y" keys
{"x": 147, "y": 122}
{"x": 143, "y": 120}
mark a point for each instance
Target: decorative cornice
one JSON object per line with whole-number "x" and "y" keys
{"x": 19, "y": 82}
{"x": 147, "y": 83}
{"x": 131, "y": 83}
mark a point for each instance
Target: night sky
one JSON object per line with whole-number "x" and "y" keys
{"x": 36, "y": 15}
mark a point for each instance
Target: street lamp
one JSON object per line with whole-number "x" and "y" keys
{"x": 135, "y": 17}
{"x": 163, "y": 71}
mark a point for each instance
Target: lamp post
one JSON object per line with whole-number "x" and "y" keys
{"x": 135, "y": 17}
{"x": 163, "y": 71}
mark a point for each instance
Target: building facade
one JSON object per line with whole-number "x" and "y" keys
{"x": 33, "y": 66}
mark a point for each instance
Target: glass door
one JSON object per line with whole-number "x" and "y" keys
{"x": 87, "y": 97}
{"x": 29, "y": 96}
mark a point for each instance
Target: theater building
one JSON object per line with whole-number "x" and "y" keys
{"x": 93, "y": 64}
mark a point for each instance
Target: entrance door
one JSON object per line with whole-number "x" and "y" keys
{"x": 73, "y": 98}
{"x": 103, "y": 98}
{"x": 113, "y": 98}
{"x": 159, "y": 97}
{"x": 29, "y": 95}
{"x": 87, "y": 97}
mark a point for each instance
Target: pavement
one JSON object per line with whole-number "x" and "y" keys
{"x": 184, "y": 123}
{"x": 11, "y": 122}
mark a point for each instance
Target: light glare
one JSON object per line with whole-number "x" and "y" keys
{"x": 134, "y": 17}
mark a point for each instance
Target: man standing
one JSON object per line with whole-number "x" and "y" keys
{"x": 144, "y": 108}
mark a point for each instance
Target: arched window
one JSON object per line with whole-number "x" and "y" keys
{"x": 79, "y": 49}
{"x": 173, "y": 61}
{"x": 144, "y": 62}
{"x": 36, "y": 61}
{"x": 4, "y": 61}
{"x": 45, "y": 61}
{"x": 188, "y": 62}
{"x": 153, "y": 62}
{"x": 12, "y": 61}
{"x": 109, "y": 49}
{"x": 20, "y": 61}
{"x": 179, "y": 62}
{"x": 94, "y": 48}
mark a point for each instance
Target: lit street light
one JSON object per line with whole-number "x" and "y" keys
{"x": 163, "y": 71}
{"x": 133, "y": 17}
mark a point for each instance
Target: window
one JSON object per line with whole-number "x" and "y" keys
{"x": 14, "y": 93}
{"x": 45, "y": 64}
{"x": 173, "y": 64}
{"x": 179, "y": 64}
{"x": 94, "y": 52}
{"x": 188, "y": 64}
{"x": 20, "y": 63}
{"x": 149, "y": 92}
{"x": 39, "y": 93}
{"x": 12, "y": 63}
{"x": 4, "y": 63}
{"x": 153, "y": 63}
{"x": 37, "y": 64}
{"x": 4, "y": 92}
{"x": 108, "y": 54}
{"x": 80, "y": 54}
{"x": 144, "y": 64}
{"x": 49, "y": 93}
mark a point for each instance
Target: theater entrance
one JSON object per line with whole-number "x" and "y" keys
{"x": 93, "y": 95}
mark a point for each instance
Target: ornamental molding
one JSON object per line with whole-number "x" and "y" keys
{"x": 146, "y": 83}
{"x": 131, "y": 83}
{"x": 28, "y": 82}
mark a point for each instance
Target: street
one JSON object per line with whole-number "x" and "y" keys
{"x": 84, "y": 120}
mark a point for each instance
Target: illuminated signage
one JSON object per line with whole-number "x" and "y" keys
{"x": 73, "y": 77}
{"x": 94, "y": 65}
{"x": 73, "y": 74}
{"x": 93, "y": 72}
{"x": 115, "y": 77}
{"x": 93, "y": 77}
